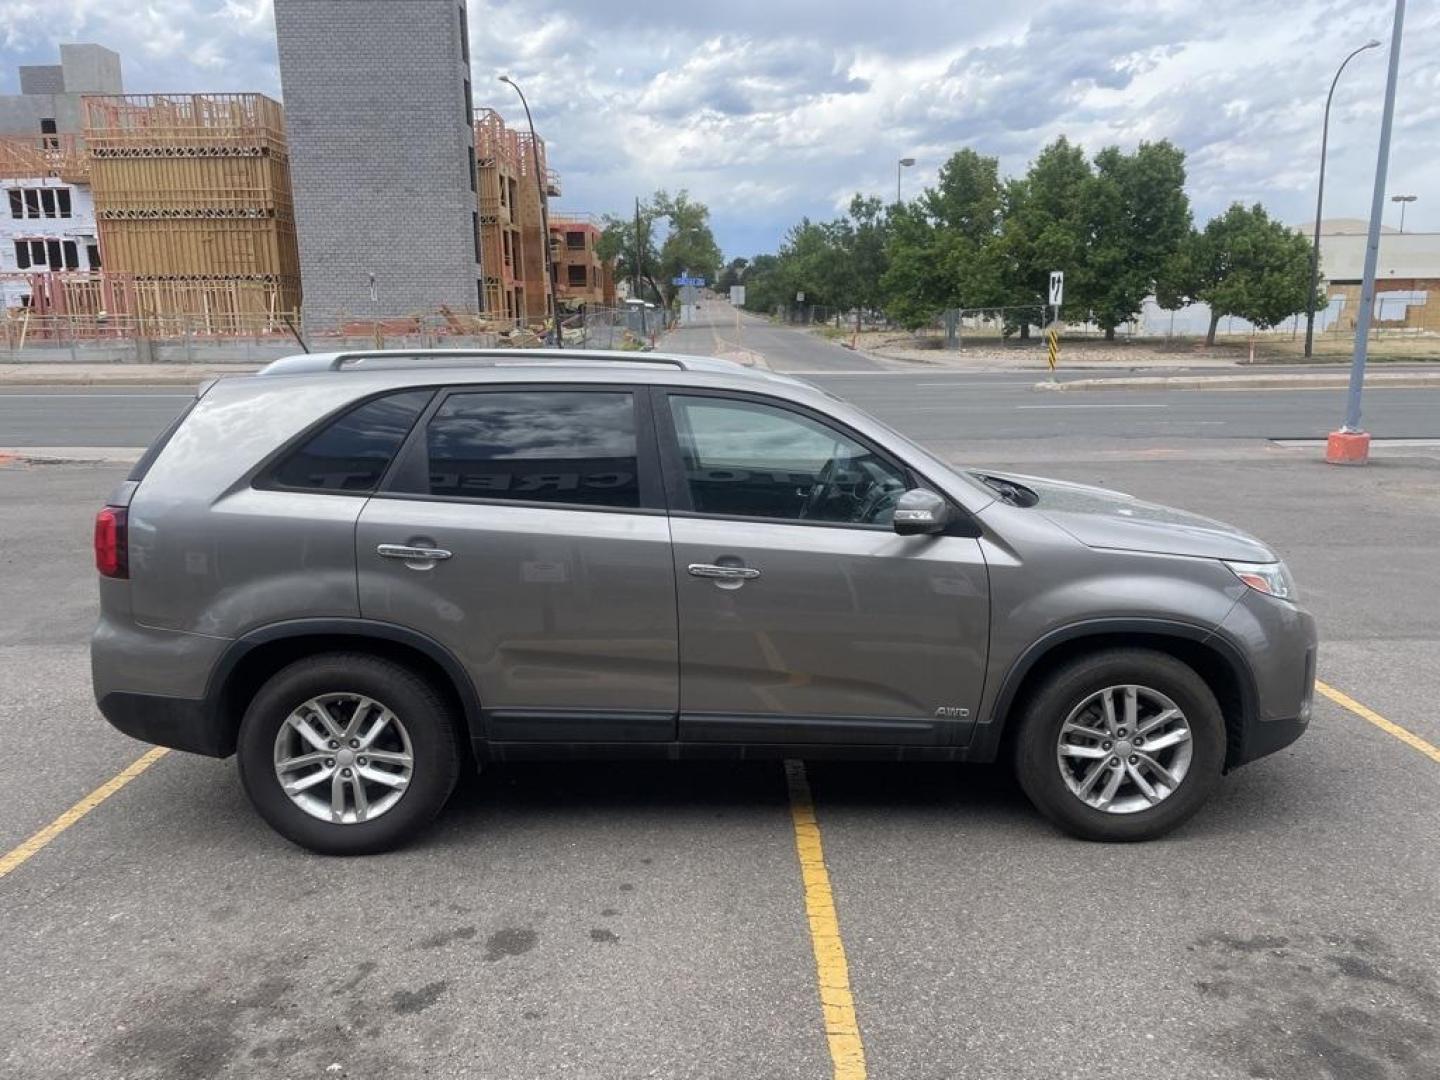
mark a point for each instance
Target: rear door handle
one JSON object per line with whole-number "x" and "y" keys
{"x": 411, "y": 554}
{"x": 729, "y": 573}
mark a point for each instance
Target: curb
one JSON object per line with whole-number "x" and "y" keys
{"x": 70, "y": 455}
{"x": 1382, "y": 380}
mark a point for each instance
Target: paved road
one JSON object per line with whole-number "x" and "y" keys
{"x": 947, "y": 410}
{"x": 638, "y": 920}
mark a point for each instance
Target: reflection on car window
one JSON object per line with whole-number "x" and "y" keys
{"x": 745, "y": 459}
{"x": 562, "y": 446}
{"x": 352, "y": 453}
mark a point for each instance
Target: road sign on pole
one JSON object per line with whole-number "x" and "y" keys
{"x": 737, "y": 295}
{"x": 799, "y": 297}
{"x": 684, "y": 279}
{"x": 1057, "y": 287}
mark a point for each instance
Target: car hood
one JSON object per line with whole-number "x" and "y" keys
{"x": 1101, "y": 518}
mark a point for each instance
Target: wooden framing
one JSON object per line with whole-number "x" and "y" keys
{"x": 194, "y": 188}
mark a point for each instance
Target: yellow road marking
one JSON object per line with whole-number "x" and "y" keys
{"x": 1409, "y": 738}
{"x": 13, "y": 859}
{"x": 842, "y": 1031}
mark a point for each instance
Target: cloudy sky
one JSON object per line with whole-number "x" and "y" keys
{"x": 772, "y": 109}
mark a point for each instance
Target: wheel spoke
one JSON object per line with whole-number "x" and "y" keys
{"x": 1097, "y": 770}
{"x": 362, "y": 802}
{"x": 1112, "y": 785}
{"x": 1169, "y": 739}
{"x": 308, "y": 733}
{"x": 320, "y": 709}
{"x": 1107, "y": 709}
{"x": 389, "y": 757}
{"x": 1144, "y": 785}
{"x": 1158, "y": 770}
{"x": 1072, "y": 750}
{"x": 337, "y": 796}
{"x": 380, "y": 776}
{"x": 1081, "y": 729}
{"x": 305, "y": 783}
{"x": 381, "y": 723}
{"x": 352, "y": 726}
{"x": 1132, "y": 706}
{"x": 291, "y": 764}
{"x": 1159, "y": 720}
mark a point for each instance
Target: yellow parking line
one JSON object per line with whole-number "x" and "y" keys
{"x": 16, "y": 857}
{"x": 1409, "y": 738}
{"x": 842, "y": 1031}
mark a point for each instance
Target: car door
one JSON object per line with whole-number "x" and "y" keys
{"x": 803, "y": 617}
{"x": 523, "y": 528}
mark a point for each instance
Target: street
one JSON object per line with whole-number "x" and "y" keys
{"x": 649, "y": 919}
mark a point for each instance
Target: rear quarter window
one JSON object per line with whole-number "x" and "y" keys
{"x": 351, "y": 452}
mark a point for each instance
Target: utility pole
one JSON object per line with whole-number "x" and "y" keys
{"x": 1351, "y": 444}
{"x": 639, "y": 267}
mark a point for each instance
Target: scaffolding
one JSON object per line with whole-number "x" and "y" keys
{"x": 531, "y": 211}
{"x": 192, "y": 195}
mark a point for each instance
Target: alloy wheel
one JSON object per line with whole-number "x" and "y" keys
{"x": 343, "y": 758}
{"x": 1124, "y": 749}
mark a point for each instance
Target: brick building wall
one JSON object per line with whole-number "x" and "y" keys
{"x": 378, "y": 113}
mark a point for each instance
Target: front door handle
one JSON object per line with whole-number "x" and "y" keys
{"x": 411, "y": 554}
{"x": 728, "y": 573}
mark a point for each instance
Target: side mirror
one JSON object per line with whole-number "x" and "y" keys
{"x": 919, "y": 511}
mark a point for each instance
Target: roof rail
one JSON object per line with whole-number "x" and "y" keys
{"x": 339, "y": 361}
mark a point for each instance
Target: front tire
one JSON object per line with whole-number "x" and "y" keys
{"x": 1120, "y": 745}
{"x": 348, "y": 754}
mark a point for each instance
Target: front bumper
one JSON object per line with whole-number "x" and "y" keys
{"x": 1280, "y": 643}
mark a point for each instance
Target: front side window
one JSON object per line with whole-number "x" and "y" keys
{"x": 353, "y": 452}
{"x": 576, "y": 447}
{"x": 746, "y": 459}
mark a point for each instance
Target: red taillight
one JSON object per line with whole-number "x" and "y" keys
{"x": 112, "y": 548}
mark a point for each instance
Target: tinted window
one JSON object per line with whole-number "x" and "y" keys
{"x": 352, "y": 453}
{"x": 559, "y": 446}
{"x": 745, "y": 459}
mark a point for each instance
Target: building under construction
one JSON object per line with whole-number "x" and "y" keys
{"x": 582, "y": 277}
{"x": 513, "y": 250}
{"x": 193, "y": 205}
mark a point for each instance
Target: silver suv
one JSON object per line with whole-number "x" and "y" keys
{"x": 358, "y": 571}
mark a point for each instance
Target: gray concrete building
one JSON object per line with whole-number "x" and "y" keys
{"x": 49, "y": 98}
{"x": 382, "y": 155}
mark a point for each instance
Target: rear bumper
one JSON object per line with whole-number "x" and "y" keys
{"x": 179, "y": 723}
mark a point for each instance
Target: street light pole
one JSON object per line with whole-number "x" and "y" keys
{"x": 1320, "y": 201}
{"x": 1403, "y": 200}
{"x": 903, "y": 163}
{"x": 1351, "y": 445}
{"x": 544, "y": 215}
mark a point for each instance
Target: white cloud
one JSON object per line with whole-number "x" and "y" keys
{"x": 770, "y": 110}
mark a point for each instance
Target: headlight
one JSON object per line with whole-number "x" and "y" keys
{"x": 1271, "y": 578}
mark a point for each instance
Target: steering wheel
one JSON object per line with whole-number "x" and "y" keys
{"x": 819, "y": 490}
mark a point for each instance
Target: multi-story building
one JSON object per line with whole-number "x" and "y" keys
{"x": 581, "y": 275}
{"x": 379, "y": 115}
{"x": 497, "y": 150}
{"x": 47, "y": 221}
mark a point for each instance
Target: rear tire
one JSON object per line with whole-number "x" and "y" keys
{"x": 1071, "y": 702}
{"x": 303, "y": 711}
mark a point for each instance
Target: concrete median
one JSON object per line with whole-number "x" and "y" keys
{"x": 1276, "y": 381}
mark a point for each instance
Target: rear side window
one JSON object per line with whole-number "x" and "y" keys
{"x": 353, "y": 452}
{"x": 576, "y": 447}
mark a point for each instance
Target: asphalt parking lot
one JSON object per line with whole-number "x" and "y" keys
{"x": 651, "y": 920}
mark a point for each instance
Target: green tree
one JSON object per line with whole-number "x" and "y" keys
{"x": 1243, "y": 263}
{"x": 1138, "y": 215}
{"x": 689, "y": 245}
{"x": 630, "y": 242}
{"x": 1045, "y": 227}
{"x": 943, "y": 250}
{"x": 732, "y": 274}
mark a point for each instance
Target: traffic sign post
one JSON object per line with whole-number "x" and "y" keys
{"x": 1056, "y": 296}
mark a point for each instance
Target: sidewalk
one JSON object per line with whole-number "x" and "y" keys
{"x": 1394, "y": 380}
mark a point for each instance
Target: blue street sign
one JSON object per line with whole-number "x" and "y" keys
{"x": 699, "y": 282}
